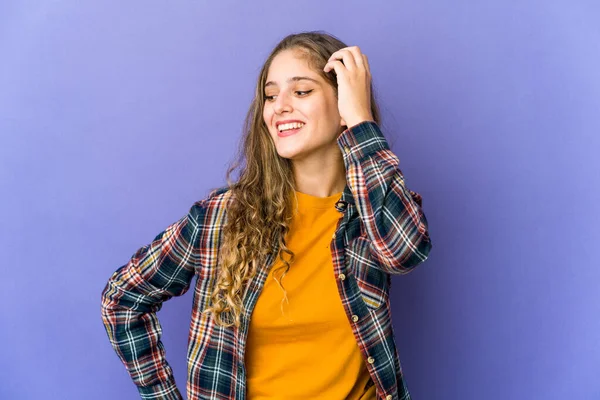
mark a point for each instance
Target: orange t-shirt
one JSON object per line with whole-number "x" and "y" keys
{"x": 309, "y": 351}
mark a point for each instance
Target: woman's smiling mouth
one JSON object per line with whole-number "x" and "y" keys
{"x": 289, "y": 129}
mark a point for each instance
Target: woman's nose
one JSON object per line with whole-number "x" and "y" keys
{"x": 282, "y": 103}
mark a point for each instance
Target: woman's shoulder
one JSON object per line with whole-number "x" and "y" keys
{"x": 216, "y": 199}
{"x": 218, "y": 194}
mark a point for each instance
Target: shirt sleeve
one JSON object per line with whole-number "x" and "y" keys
{"x": 135, "y": 293}
{"x": 392, "y": 215}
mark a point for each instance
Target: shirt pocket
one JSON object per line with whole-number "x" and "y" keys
{"x": 372, "y": 281}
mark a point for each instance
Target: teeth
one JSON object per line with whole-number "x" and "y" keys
{"x": 293, "y": 125}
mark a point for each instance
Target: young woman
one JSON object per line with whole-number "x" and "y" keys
{"x": 292, "y": 260}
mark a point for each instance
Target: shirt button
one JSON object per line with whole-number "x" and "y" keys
{"x": 341, "y": 205}
{"x": 346, "y": 149}
{"x": 342, "y": 277}
{"x": 388, "y": 397}
{"x": 371, "y": 360}
{"x": 355, "y": 318}
{"x": 333, "y": 236}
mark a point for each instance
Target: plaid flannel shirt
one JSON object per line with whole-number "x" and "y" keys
{"x": 381, "y": 231}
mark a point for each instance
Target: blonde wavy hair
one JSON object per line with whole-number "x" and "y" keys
{"x": 262, "y": 204}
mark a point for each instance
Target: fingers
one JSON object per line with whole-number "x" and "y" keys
{"x": 347, "y": 57}
{"x": 352, "y": 59}
{"x": 336, "y": 65}
{"x": 366, "y": 64}
{"x": 345, "y": 61}
{"x": 356, "y": 53}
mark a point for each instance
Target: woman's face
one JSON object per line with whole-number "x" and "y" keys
{"x": 295, "y": 92}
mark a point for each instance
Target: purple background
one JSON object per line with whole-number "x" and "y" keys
{"x": 116, "y": 116}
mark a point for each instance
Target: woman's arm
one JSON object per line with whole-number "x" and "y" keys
{"x": 135, "y": 293}
{"x": 391, "y": 213}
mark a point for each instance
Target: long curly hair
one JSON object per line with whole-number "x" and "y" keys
{"x": 261, "y": 207}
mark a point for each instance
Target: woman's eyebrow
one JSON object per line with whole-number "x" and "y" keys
{"x": 295, "y": 79}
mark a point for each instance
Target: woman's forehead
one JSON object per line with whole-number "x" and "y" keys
{"x": 289, "y": 64}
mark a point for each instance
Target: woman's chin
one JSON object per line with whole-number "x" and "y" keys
{"x": 291, "y": 154}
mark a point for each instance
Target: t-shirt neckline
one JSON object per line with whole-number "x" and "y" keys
{"x": 309, "y": 201}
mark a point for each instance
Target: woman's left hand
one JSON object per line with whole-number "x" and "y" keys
{"x": 354, "y": 85}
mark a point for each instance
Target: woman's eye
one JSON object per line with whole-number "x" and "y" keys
{"x": 299, "y": 92}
